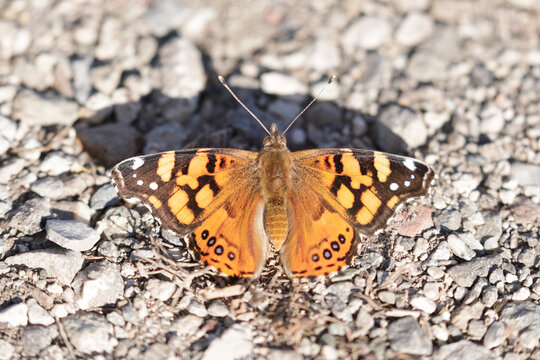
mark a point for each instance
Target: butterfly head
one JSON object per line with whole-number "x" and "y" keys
{"x": 275, "y": 140}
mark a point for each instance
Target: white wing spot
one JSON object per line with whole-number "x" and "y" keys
{"x": 134, "y": 175}
{"x": 140, "y": 182}
{"x": 407, "y": 183}
{"x": 137, "y": 163}
{"x": 412, "y": 176}
{"x": 153, "y": 186}
{"x": 409, "y": 164}
{"x": 394, "y": 186}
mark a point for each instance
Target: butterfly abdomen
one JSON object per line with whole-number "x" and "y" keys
{"x": 276, "y": 223}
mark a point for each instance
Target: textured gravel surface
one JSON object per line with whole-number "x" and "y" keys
{"x": 85, "y": 84}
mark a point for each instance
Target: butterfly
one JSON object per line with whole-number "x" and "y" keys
{"x": 238, "y": 206}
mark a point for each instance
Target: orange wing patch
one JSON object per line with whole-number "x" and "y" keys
{"x": 232, "y": 239}
{"x": 382, "y": 165}
{"x": 165, "y": 166}
{"x": 320, "y": 240}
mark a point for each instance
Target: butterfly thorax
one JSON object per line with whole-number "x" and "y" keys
{"x": 275, "y": 161}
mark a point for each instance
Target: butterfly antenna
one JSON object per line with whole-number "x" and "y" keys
{"x": 222, "y": 79}
{"x": 311, "y": 102}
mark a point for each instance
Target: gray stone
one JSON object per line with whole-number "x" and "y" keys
{"x": 218, "y": 308}
{"x": 322, "y": 114}
{"x": 103, "y": 197}
{"x": 14, "y": 315}
{"x": 28, "y": 217}
{"x": 19, "y": 37}
{"x": 406, "y": 336}
{"x": 97, "y": 141}
{"x": 235, "y": 342}
{"x": 160, "y": 289}
{"x": 158, "y": 351}
{"x": 448, "y": 219}
{"x": 181, "y": 78}
{"x": 82, "y": 84}
{"x": 460, "y": 248}
{"x": 281, "y": 354}
{"x": 105, "y": 78}
{"x": 398, "y": 128}
{"x": 491, "y": 244}
{"x": 5, "y": 246}
{"x": 57, "y": 162}
{"x": 90, "y": 332}
{"x": 462, "y": 315}
{"x": 283, "y": 109}
{"x": 165, "y": 137}
{"x": 495, "y": 335}
{"x": 32, "y": 75}
{"x": 275, "y": 83}
{"x": 325, "y": 55}
{"x": 526, "y": 174}
{"x": 364, "y": 322}
{"x": 465, "y": 274}
{"x": 491, "y": 120}
{"x": 158, "y": 18}
{"x": 108, "y": 249}
{"x": 36, "y": 338}
{"x": 6, "y": 350}
{"x": 119, "y": 221}
{"x": 34, "y": 109}
{"x": 492, "y": 227}
{"x": 490, "y": 296}
{"x": 441, "y": 253}
{"x": 476, "y": 329}
{"x": 116, "y": 318}
{"x": 187, "y": 325}
{"x": 7, "y": 136}
{"x": 368, "y": 32}
{"x": 387, "y": 297}
{"x": 527, "y": 257}
{"x": 98, "y": 285}
{"x": 196, "y": 307}
{"x": 423, "y": 303}
{"x": 72, "y": 210}
{"x": 414, "y": 29}
{"x": 523, "y": 318}
{"x": 426, "y": 66}
{"x": 72, "y": 234}
{"x": 38, "y": 315}
{"x": 464, "y": 349}
{"x": 471, "y": 241}
{"x": 59, "y": 263}
{"x": 48, "y": 187}
{"x": 11, "y": 168}
{"x": 75, "y": 184}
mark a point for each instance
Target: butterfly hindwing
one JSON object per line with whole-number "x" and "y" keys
{"x": 232, "y": 239}
{"x": 182, "y": 188}
{"x": 366, "y": 187}
{"x": 320, "y": 240}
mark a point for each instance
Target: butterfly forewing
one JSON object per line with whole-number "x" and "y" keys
{"x": 182, "y": 188}
{"x": 365, "y": 186}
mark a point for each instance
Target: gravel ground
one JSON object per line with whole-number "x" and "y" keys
{"x": 84, "y": 84}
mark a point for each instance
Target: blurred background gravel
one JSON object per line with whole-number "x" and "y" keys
{"x": 87, "y": 83}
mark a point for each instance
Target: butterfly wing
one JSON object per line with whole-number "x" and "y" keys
{"x": 365, "y": 187}
{"x": 338, "y": 191}
{"x": 320, "y": 239}
{"x": 232, "y": 239}
{"x": 210, "y": 192}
